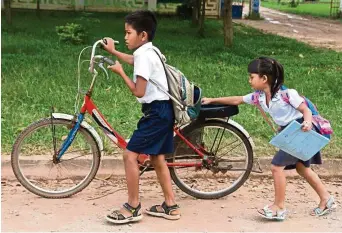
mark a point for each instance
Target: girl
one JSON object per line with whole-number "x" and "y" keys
{"x": 266, "y": 75}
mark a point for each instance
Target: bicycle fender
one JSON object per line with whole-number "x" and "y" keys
{"x": 84, "y": 124}
{"x": 233, "y": 123}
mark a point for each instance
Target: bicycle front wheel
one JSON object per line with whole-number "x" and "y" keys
{"x": 32, "y": 159}
{"x": 229, "y": 151}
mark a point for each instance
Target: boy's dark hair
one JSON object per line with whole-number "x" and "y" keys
{"x": 271, "y": 68}
{"x": 143, "y": 20}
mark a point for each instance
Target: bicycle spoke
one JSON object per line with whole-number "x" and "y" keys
{"x": 230, "y": 150}
{"x": 69, "y": 173}
{"x": 64, "y": 160}
{"x": 77, "y": 165}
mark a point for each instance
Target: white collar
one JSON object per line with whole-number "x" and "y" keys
{"x": 143, "y": 48}
{"x": 262, "y": 97}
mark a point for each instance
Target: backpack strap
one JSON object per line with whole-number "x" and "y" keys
{"x": 161, "y": 88}
{"x": 256, "y": 102}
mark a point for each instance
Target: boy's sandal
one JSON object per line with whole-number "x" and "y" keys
{"x": 117, "y": 217}
{"x": 267, "y": 213}
{"x": 167, "y": 211}
{"x": 319, "y": 212}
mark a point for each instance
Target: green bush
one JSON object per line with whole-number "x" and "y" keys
{"x": 72, "y": 33}
{"x": 294, "y": 3}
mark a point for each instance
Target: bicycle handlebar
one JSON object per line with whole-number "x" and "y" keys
{"x": 105, "y": 59}
{"x": 108, "y": 61}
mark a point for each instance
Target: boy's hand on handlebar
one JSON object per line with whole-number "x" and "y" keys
{"x": 206, "y": 100}
{"x": 108, "y": 44}
{"x": 116, "y": 68}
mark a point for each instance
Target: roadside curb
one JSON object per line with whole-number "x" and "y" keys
{"x": 329, "y": 168}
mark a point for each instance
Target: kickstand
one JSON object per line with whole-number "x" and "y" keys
{"x": 143, "y": 170}
{"x": 259, "y": 167}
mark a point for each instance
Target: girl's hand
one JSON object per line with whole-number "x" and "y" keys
{"x": 110, "y": 46}
{"x": 306, "y": 126}
{"x": 206, "y": 100}
{"x": 116, "y": 68}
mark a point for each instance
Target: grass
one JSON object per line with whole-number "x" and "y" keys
{"x": 38, "y": 71}
{"x": 319, "y": 9}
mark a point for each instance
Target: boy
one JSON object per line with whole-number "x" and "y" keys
{"x": 154, "y": 133}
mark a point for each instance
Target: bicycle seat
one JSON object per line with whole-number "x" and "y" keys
{"x": 218, "y": 111}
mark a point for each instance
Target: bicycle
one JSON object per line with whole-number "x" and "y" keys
{"x": 210, "y": 153}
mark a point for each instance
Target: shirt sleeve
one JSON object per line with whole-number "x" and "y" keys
{"x": 294, "y": 98}
{"x": 248, "y": 98}
{"x": 142, "y": 66}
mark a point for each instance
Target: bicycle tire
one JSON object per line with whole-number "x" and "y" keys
{"x": 220, "y": 193}
{"x": 25, "y": 181}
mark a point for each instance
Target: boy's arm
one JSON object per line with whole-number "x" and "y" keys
{"x": 110, "y": 47}
{"x": 231, "y": 100}
{"x": 127, "y": 58}
{"x": 138, "y": 89}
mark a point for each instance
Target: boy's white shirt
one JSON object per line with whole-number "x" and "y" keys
{"x": 148, "y": 65}
{"x": 281, "y": 112}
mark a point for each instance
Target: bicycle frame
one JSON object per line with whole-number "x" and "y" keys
{"x": 90, "y": 108}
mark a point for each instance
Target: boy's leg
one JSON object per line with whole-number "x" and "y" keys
{"x": 132, "y": 180}
{"x": 315, "y": 182}
{"x": 132, "y": 177}
{"x": 279, "y": 187}
{"x": 164, "y": 179}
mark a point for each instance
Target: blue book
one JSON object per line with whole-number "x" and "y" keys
{"x": 302, "y": 145}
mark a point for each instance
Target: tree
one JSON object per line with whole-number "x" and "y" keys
{"x": 228, "y": 23}
{"x": 7, "y": 5}
{"x": 196, "y": 4}
{"x": 38, "y": 9}
{"x": 201, "y": 18}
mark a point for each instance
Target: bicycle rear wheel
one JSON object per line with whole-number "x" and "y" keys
{"x": 32, "y": 159}
{"x": 229, "y": 150}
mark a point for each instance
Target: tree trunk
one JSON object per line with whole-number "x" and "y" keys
{"x": 202, "y": 17}
{"x": 7, "y": 5}
{"x": 199, "y": 9}
{"x": 250, "y": 7}
{"x": 38, "y": 9}
{"x": 228, "y": 23}
{"x": 195, "y": 10}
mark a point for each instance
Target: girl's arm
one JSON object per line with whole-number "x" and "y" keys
{"x": 110, "y": 47}
{"x": 307, "y": 115}
{"x": 138, "y": 89}
{"x": 231, "y": 100}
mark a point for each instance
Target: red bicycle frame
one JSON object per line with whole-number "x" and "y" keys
{"x": 115, "y": 137}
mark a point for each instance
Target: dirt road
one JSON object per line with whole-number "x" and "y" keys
{"x": 23, "y": 211}
{"x": 317, "y": 32}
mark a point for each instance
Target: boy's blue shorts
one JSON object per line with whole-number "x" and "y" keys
{"x": 154, "y": 133}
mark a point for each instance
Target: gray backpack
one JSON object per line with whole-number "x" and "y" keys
{"x": 185, "y": 96}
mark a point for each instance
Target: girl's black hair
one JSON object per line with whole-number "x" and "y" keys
{"x": 143, "y": 20}
{"x": 271, "y": 68}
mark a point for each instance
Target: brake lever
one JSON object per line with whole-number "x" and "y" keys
{"x": 104, "y": 69}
